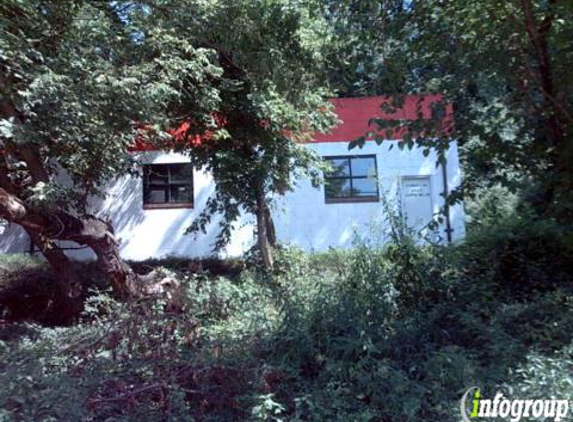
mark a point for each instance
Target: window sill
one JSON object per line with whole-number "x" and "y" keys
{"x": 166, "y": 206}
{"x": 352, "y": 200}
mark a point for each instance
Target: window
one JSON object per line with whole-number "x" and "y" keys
{"x": 168, "y": 186}
{"x": 351, "y": 179}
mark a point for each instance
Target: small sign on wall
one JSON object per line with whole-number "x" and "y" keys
{"x": 417, "y": 201}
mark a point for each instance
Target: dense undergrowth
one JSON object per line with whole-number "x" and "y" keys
{"x": 378, "y": 333}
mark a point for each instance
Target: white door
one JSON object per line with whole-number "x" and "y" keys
{"x": 417, "y": 201}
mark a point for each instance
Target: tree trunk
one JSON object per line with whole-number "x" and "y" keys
{"x": 88, "y": 230}
{"x": 68, "y": 302}
{"x": 58, "y": 224}
{"x": 556, "y": 114}
{"x": 264, "y": 244}
{"x": 123, "y": 279}
{"x": 271, "y": 232}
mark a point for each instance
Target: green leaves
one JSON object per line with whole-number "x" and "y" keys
{"x": 79, "y": 84}
{"x": 7, "y": 128}
{"x": 359, "y": 142}
{"x": 258, "y": 86}
{"x": 481, "y": 56}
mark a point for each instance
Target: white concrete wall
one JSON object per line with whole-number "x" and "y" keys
{"x": 302, "y": 217}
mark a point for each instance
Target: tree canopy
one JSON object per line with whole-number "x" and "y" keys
{"x": 268, "y": 99}
{"x": 504, "y": 66}
{"x": 82, "y": 80}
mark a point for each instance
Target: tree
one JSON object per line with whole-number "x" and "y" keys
{"x": 504, "y": 66}
{"x": 81, "y": 80}
{"x": 75, "y": 81}
{"x": 365, "y": 34}
{"x": 271, "y": 97}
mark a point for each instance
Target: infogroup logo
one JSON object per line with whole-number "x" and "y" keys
{"x": 474, "y": 407}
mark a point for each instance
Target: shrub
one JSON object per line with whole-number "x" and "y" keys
{"x": 519, "y": 255}
{"x": 383, "y": 332}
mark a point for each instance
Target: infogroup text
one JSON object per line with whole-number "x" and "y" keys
{"x": 473, "y": 407}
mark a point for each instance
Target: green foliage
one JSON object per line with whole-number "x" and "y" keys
{"x": 489, "y": 206}
{"x": 138, "y": 361}
{"x": 75, "y": 88}
{"x": 268, "y": 97}
{"x": 503, "y": 65}
{"x": 395, "y": 332}
{"x": 522, "y": 254}
{"x": 268, "y": 410}
{"x": 370, "y": 345}
{"x": 29, "y": 288}
{"x": 81, "y": 83}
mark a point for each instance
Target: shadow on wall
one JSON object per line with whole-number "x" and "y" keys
{"x": 13, "y": 239}
{"x": 122, "y": 204}
{"x": 161, "y": 232}
{"x": 144, "y": 234}
{"x": 302, "y": 217}
{"x": 175, "y": 242}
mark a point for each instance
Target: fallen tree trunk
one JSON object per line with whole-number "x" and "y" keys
{"x": 87, "y": 230}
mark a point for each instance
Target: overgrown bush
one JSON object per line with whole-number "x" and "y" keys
{"x": 388, "y": 331}
{"x": 519, "y": 256}
{"x": 28, "y": 288}
{"x": 136, "y": 361}
{"x": 404, "y": 329}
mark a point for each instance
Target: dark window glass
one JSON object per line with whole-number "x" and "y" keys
{"x": 168, "y": 185}
{"x": 155, "y": 195}
{"x": 351, "y": 179}
{"x": 336, "y": 188}
{"x": 157, "y": 174}
{"x": 181, "y": 173}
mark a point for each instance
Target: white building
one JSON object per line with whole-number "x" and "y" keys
{"x": 151, "y": 213}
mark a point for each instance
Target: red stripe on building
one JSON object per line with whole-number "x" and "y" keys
{"x": 356, "y": 114}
